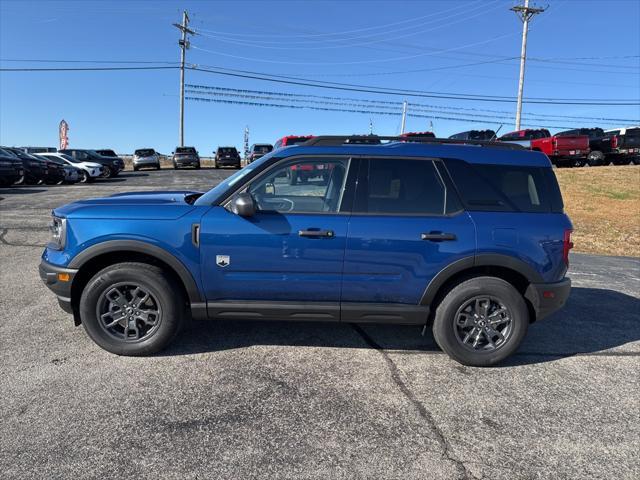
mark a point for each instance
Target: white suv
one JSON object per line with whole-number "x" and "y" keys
{"x": 89, "y": 171}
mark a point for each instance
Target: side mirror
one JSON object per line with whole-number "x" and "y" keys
{"x": 244, "y": 205}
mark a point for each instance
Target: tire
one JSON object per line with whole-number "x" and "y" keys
{"x": 198, "y": 166}
{"x": 158, "y": 167}
{"x": 494, "y": 292}
{"x": 165, "y": 298}
{"x": 135, "y": 169}
{"x": 595, "y": 158}
{"x": 84, "y": 177}
{"x": 106, "y": 172}
{"x": 293, "y": 177}
{"x": 215, "y": 165}
{"x": 175, "y": 167}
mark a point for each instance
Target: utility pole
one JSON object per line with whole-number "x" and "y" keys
{"x": 404, "y": 117}
{"x": 184, "y": 45}
{"x": 525, "y": 13}
{"x": 370, "y": 127}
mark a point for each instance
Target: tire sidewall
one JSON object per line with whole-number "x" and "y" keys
{"x": 150, "y": 278}
{"x": 444, "y": 328}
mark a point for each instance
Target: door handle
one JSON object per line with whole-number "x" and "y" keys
{"x": 316, "y": 233}
{"x": 438, "y": 236}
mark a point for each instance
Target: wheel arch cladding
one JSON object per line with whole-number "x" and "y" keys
{"x": 97, "y": 257}
{"x": 515, "y": 271}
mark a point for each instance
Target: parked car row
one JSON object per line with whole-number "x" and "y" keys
{"x": 45, "y": 165}
{"x": 570, "y": 148}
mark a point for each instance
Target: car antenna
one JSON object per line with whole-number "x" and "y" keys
{"x": 495, "y": 135}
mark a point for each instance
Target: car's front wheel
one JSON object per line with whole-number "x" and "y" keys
{"x": 132, "y": 309}
{"x": 481, "y": 321}
{"x": 106, "y": 172}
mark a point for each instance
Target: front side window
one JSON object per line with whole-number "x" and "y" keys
{"x": 398, "y": 186}
{"x": 302, "y": 186}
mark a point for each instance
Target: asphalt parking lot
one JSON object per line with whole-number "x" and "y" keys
{"x": 277, "y": 400}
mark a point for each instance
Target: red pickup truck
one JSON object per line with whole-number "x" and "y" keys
{"x": 563, "y": 151}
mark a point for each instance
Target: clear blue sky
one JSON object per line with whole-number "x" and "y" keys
{"x": 584, "y": 49}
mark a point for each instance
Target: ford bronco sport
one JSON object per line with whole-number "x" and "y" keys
{"x": 470, "y": 239}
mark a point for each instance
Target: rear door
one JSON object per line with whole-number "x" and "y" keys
{"x": 407, "y": 225}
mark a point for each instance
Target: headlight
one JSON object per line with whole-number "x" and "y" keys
{"x": 58, "y": 230}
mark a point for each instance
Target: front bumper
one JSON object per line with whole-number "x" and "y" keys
{"x": 54, "y": 277}
{"x": 547, "y": 298}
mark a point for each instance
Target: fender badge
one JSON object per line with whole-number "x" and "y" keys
{"x": 223, "y": 260}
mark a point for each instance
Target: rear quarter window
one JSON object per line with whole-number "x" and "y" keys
{"x": 506, "y": 188}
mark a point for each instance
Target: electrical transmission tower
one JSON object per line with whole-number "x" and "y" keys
{"x": 184, "y": 45}
{"x": 525, "y": 13}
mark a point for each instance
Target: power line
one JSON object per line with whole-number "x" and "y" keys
{"x": 344, "y": 86}
{"x": 347, "y": 32}
{"x": 270, "y": 94}
{"x": 412, "y": 93}
{"x": 80, "y": 69}
{"x": 351, "y": 110}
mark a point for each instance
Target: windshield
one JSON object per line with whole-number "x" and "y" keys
{"x": 107, "y": 153}
{"x": 262, "y": 148}
{"x": 145, "y": 152}
{"x": 185, "y": 150}
{"x": 51, "y": 159}
{"x": 227, "y": 150}
{"x": 219, "y": 190}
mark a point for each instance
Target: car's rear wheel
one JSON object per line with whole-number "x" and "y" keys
{"x": 132, "y": 309}
{"x": 198, "y": 166}
{"x": 481, "y": 321}
{"x": 595, "y": 158}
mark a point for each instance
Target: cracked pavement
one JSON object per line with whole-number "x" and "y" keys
{"x": 309, "y": 400}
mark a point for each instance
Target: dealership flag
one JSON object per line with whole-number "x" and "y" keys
{"x": 63, "y": 129}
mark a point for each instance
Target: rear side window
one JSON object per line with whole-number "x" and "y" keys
{"x": 506, "y": 188}
{"x": 399, "y": 186}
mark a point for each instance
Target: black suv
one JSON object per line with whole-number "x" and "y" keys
{"x": 36, "y": 170}
{"x": 227, "y": 157}
{"x": 11, "y": 169}
{"x": 111, "y": 166}
{"x": 186, "y": 157}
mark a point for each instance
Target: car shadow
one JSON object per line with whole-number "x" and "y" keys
{"x": 19, "y": 190}
{"x": 593, "y": 321}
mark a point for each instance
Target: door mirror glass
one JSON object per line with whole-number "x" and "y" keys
{"x": 243, "y": 205}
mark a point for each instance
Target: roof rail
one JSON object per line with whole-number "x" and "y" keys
{"x": 336, "y": 140}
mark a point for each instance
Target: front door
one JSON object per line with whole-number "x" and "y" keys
{"x": 286, "y": 260}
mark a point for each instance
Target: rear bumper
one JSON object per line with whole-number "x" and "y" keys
{"x": 49, "y": 274}
{"x": 228, "y": 161}
{"x": 547, "y": 298}
{"x": 186, "y": 161}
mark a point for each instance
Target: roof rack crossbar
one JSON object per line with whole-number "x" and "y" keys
{"x": 336, "y": 140}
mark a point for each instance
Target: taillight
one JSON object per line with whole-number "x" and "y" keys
{"x": 567, "y": 245}
{"x": 614, "y": 141}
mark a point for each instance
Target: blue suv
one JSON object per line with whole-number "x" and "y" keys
{"x": 467, "y": 237}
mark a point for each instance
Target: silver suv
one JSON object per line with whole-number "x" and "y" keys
{"x": 146, "y": 157}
